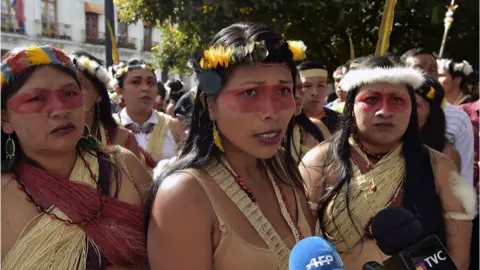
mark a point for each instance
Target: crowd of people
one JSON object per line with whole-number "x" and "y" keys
{"x": 109, "y": 168}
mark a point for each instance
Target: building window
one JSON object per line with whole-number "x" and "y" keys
{"x": 6, "y": 16}
{"x": 122, "y": 32}
{"x": 49, "y": 17}
{"x": 91, "y": 20}
{"x": 147, "y": 38}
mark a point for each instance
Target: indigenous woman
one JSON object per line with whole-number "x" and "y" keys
{"x": 175, "y": 92}
{"x": 82, "y": 207}
{"x": 314, "y": 76}
{"x": 307, "y": 132}
{"x": 377, "y": 160}
{"x": 157, "y": 134}
{"x": 454, "y": 78}
{"x": 431, "y": 120}
{"x": 242, "y": 193}
{"x": 94, "y": 80}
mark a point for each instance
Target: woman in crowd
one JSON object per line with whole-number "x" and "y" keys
{"x": 231, "y": 179}
{"x": 94, "y": 80}
{"x": 454, "y": 78}
{"x": 377, "y": 160}
{"x": 307, "y": 132}
{"x": 314, "y": 76}
{"x": 176, "y": 91}
{"x": 157, "y": 134}
{"x": 161, "y": 97}
{"x": 431, "y": 120}
{"x": 67, "y": 203}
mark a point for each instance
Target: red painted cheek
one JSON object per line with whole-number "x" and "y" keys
{"x": 51, "y": 101}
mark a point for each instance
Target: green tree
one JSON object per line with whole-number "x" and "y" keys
{"x": 322, "y": 25}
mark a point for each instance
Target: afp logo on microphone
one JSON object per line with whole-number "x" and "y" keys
{"x": 315, "y": 253}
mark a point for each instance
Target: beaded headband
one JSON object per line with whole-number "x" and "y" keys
{"x": 358, "y": 77}
{"x": 93, "y": 68}
{"x": 123, "y": 68}
{"x": 19, "y": 60}
{"x": 222, "y": 57}
{"x": 433, "y": 92}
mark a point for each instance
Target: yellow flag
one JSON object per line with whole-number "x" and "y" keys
{"x": 114, "y": 44}
{"x": 386, "y": 28}
{"x": 352, "y": 49}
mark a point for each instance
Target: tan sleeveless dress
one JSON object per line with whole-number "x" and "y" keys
{"x": 233, "y": 252}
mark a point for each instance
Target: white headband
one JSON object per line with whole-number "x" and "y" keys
{"x": 94, "y": 68}
{"x": 359, "y": 77}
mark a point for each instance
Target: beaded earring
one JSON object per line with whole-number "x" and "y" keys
{"x": 216, "y": 138}
{"x": 10, "y": 154}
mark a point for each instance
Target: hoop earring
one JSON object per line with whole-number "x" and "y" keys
{"x": 10, "y": 154}
{"x": 216, "y": 138}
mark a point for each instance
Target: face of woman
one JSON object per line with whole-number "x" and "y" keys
{"x": 423, "y": 109}
{"x": 382, "y": 112}
{"x": 315, "y": 89}
{"x": 46, "y": 113}
{"x": 90, "y": 93}
{"x": 445, "y": 79}
{"x": 299, "y": 96}
{"x": 139, "y": 90}
{"x": 254, "y": 108}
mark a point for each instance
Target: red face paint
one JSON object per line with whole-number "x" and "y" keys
{"x": 67, "y": 98}
{"x": 262, "y": 98}
{"x": 391, "y": 102}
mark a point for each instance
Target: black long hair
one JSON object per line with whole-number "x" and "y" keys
{"x": 420, "y": 196}
{"x": 104, "y": 104}
{"x": 433, "y": 131}
{"x": 199, "y": 147}
{"x": 304, "y": 121}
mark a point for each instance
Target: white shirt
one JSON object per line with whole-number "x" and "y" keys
{"x": 459, "y": 132}
{"x": 169, "y": 145}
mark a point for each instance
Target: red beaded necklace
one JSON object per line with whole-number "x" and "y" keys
{"x": 67, "y": 222}
{"x": 250, "y": 194}
{"x": 368, "y": 153}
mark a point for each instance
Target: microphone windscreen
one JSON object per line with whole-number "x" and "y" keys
{"x": 394, "y": 229}
{"x": 315, "y": 253}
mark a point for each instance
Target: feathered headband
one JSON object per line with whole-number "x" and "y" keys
{"x": 93, "y": 68}
{"x": 219, "y": 56}
{"x": 464, "y": 67}
{"x": 356, "y": 78}
{"x": 17, "y": 61}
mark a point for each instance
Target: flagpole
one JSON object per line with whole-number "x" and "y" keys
{"x": 448, "y": 23}
{"x": 109, "y": 31}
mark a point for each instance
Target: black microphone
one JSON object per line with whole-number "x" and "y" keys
{"x": 372, "y": 266}
{"x": 400, "y": 235}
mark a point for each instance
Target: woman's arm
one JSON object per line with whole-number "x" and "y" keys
{"x": 458, "y": 201}
{"x": 312, "y": 172}
{"x": 180, "y": 229}
{"x": 140, "y": 176}
{"x": 126, "y": 139}
{"x": 176, "y": 128}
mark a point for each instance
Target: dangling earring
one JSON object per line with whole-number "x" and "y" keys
{"x": 10, "y": 154}
{"x": 88, "y": 142}
{"x": 216, "y": 138}
{"x": 98, "y": 112}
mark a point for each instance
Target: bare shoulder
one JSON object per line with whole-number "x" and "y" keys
{"x": 7, "y": 179}
{"x": 323, "y": 128}
{"x": 443, "y": 166}
{"x": 122, "y": 134}
{"x": 312, "y": 171}
{"x": 139, "y": 174}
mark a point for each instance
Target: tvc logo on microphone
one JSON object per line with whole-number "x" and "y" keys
{"x": 431, "y": 261}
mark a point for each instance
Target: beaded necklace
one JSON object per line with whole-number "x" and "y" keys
{"x": 67, "y": 222}
{"x": 281, "y": 198}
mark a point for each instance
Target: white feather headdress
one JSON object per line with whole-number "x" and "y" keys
{"x": 359, "y": 77}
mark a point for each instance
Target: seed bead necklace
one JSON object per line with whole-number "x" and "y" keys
{"x": 67, "y": 222}
{"x": 281, "y": 198}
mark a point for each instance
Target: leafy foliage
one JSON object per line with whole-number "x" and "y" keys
{"x": 324, "y": 26}
{"x": 174, "y": 50}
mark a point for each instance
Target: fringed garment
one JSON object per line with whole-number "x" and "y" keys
{"x": 372, "y": 189}
{"x": 114, "y": 238}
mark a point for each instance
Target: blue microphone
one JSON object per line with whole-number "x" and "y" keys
{"x": 315, "y": 253}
